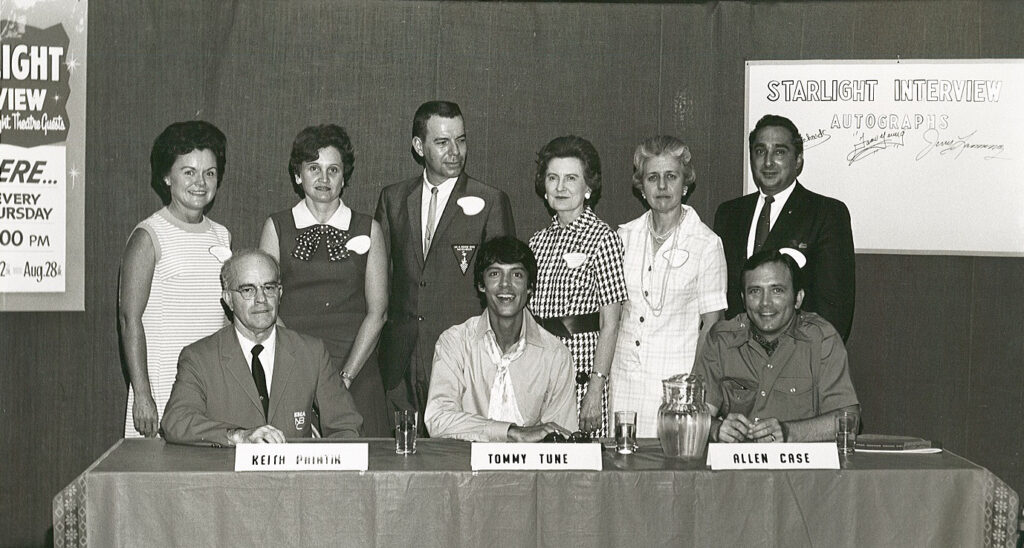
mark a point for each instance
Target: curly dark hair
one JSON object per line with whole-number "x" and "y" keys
{"x": 767, "y": 256}
{"x": 571, "y": 146}
{"x": 309, "y": 141}
{"x": 774, "y": 120}
{"x": 505, "y": 250}
{"x": 178, "y": 139}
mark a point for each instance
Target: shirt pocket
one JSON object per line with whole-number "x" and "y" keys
{"x": 580, "y": 281}
{"x": 738, "y": 396}
{"x": 682, "y": 273}
{"x": 795, "y": 394}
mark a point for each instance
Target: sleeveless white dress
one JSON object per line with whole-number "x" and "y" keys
{"x": 184, "y": 300}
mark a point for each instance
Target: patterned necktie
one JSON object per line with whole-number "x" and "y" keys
{"x": 763, "y": 224}
{"x": 260, "y": 378}
{"x": 428, "y": 233}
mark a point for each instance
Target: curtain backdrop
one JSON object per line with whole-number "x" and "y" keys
{"x": 937, "y": 342}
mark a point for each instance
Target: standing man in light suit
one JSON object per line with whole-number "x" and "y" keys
{"x": 433, "y": 223}
{"x": 782, "y": 213}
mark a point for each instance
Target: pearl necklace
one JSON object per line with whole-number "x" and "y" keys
{"x": 649, "y": 251}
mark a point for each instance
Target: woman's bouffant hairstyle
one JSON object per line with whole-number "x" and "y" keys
{"x": 663, "y": 145}
{"x": 309, "y": 141}
{"x": 571, "y": 146}
{"x": 178, "y": 139}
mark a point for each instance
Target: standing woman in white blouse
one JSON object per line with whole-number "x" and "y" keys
{"x": 675, "y": 278}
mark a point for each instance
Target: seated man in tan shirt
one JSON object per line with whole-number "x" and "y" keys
{"x": 499, "y": 376}
{"x": 774, "y": 373}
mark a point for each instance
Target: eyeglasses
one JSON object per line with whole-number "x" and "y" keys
{"x": 248, "y": 291}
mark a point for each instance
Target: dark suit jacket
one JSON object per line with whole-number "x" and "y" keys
{"x": 816, "y": 225}
{"x": 431, "y": 294}
{"x": 214, "y": 391}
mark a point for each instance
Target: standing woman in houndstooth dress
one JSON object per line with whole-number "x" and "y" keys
{"x": 580, "y": 284}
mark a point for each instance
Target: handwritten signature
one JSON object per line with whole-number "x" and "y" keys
{"x": 867, "y": 146}
{"x": 819, "y": 137}
{"x": 957, "y": 146}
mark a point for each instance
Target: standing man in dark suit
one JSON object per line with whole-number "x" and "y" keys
{"x": 433, "y": 223}
{"x": 255, "y": 381}
{"x": 785, "y": 214}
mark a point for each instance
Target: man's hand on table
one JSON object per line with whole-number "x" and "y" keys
{"x": 766, "y": 431}
{"x": 520, "y": 434}
{"x": 263, "y": 434}
{"x": 737, "y": 428}
{"x": 734, "y": 428}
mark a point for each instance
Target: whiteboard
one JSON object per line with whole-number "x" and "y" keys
{"x": 927, "y": 154}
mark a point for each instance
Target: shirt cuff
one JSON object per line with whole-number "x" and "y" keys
{"x": 498, "y": 431}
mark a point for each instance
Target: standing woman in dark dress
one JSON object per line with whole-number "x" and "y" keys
{"x": 333, "y": 267}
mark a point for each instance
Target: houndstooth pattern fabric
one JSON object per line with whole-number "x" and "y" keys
{"x": 579, "y": 270}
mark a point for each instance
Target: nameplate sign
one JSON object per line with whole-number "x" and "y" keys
{"x": 283, "y": 457}
{"x": 773, "y": 456}
{"x": 536, "y": 456}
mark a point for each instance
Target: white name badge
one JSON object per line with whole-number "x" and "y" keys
{"x": 274, "y": 457}
{"x": 773, "y": 456}
{"x": 536, "y": 456}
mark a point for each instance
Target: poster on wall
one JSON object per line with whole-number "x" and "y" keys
{"x": 927, "y": 154}
{"x": 42, "y": 154}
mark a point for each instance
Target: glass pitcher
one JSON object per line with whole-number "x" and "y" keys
{"x": 684, "y": 420}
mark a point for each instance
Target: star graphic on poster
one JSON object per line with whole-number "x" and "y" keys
{"x": 73, "y": 173}
{"x": 71, "y": 63}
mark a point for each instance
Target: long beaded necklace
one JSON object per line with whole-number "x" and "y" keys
{"x": 649, "y": 252}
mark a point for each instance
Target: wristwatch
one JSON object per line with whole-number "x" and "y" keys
{"x": 346, "y": 376}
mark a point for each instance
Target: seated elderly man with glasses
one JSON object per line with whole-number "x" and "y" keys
{"x": 256, "y": 381}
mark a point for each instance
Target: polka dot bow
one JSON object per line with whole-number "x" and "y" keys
{"x": 308, "y": 240}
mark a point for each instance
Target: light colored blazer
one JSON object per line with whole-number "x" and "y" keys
{"x": 214, "y": 391}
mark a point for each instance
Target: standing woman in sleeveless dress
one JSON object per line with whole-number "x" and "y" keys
{"x": 333, "y": 267}
{"x": 169, "y": 288}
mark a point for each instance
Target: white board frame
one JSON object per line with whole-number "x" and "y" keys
{"x": 904, "y": 196}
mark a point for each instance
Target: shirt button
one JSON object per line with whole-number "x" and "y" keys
{"x": 645, "y": 293}
{"x": 638, "y": 343}
{"x": 648, "y": 269}
{"x": 641, "y": 319}
{"x": 792, "y": 389}
{"x": 420, "y": 318}
{"x": 327, "y": 304}
{"x": 763, "y": 394}
{"x": 423, "y": 284}
{"x": 769, "y": 366}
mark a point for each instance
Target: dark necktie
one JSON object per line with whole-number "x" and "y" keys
{"x": 764, "y": 224}
{"x": 260, "y": 378}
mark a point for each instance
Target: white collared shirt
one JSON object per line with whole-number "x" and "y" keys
{"x": 266, "y": 356}
{"x": 777, "y": 206}
{"x": 444, "y": 191}
{"x": 304, "y": 217}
